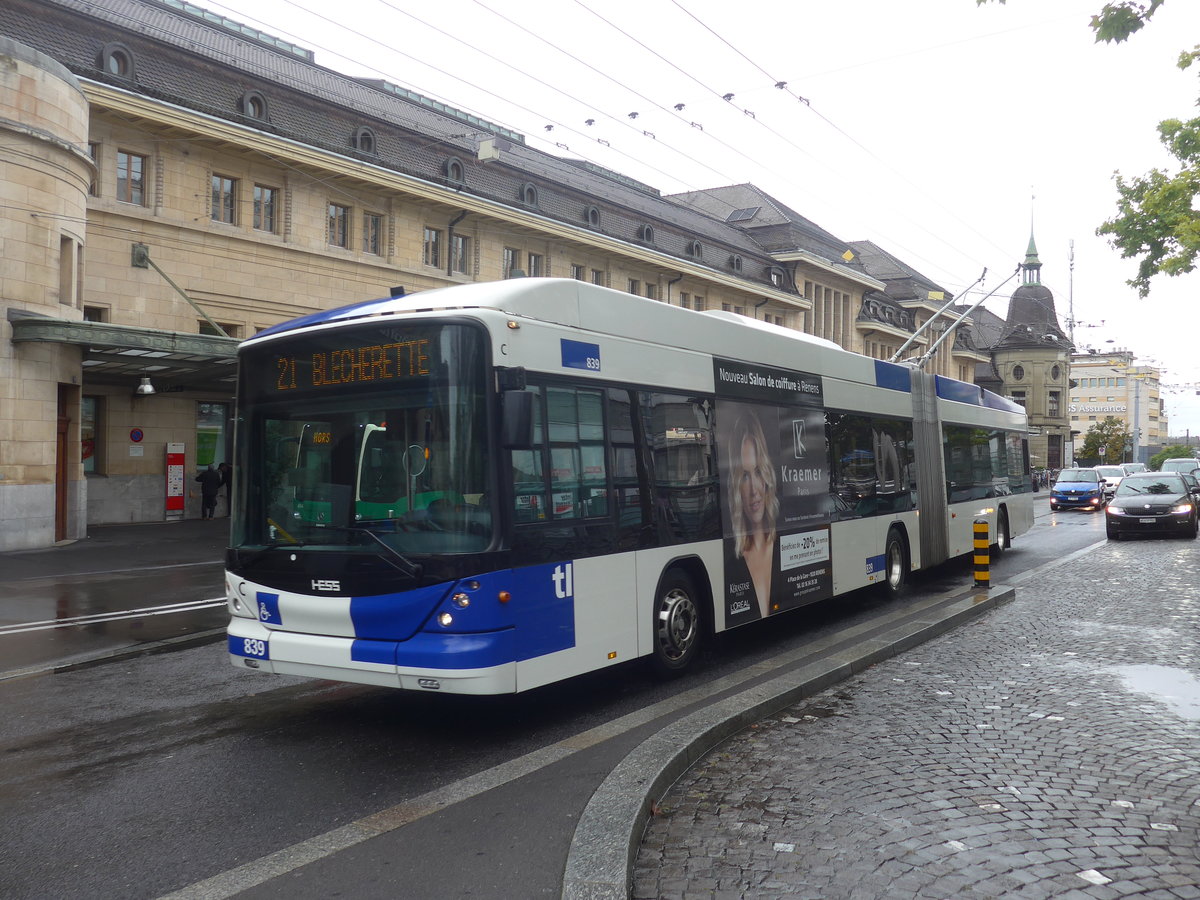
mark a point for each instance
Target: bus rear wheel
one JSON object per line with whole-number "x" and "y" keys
{"x": 677, "y": 624}
{"x": 1003, "y": 536}
{"x": 895, "y": 564}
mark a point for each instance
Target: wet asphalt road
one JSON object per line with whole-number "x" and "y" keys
{"x": 144, "y": 775}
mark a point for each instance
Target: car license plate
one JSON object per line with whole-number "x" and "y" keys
{"x": 1145, "y": 521}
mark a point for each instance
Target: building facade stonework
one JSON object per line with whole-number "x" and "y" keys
{"x": 175, "y": 182}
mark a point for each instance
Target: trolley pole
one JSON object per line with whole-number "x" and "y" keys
{"x": 983, "y": 576}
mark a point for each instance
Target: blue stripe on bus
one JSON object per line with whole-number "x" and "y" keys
{"x": 353, "y": 310}
{"x": 995, "y": 401}
{"x": 893, "y": 377}
{"x": 395, "y": 617}
{"x": 440, "y": 651}
{"x": 959, "y": 391}
{"x": 875, "y": 564}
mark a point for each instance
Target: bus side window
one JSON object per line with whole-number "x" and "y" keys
{"x": 679, "y": 432}
{"x": 530, "y": 498}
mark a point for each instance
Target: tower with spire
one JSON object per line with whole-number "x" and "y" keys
{"x": 1032, "y": 359}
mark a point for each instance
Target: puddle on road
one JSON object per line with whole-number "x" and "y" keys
{"x": 1177, "y": 689}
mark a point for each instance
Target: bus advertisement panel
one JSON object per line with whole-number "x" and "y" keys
{"x": 770, "y": 431}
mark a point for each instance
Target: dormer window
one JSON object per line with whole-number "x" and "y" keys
{"x": 695, "y": 249}
{"x": 735, "y": 263}
{"x": 364, "y": 141}
{"x": 591, "y": 215}
{"x": 646, "y": 234}
{"x": 254, "y": 106}
{"x": 775, "y": 274}
{"x": 117, "y": 60}
{"x": 454, "y": 170}
{"x": 529, "y": 194}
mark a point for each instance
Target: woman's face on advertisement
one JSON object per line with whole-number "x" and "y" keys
{"x": 753, "y": 487}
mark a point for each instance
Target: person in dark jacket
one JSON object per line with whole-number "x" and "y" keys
{"x": 210, "y": 487}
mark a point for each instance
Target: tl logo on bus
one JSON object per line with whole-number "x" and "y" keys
{"x": 563, "y": 579}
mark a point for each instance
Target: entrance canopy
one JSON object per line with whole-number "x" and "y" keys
{"x": 123, "y": 354}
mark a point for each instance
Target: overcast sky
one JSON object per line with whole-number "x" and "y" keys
{"x": 938, "y": 129}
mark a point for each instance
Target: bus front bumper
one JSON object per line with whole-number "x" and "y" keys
{"x": 484, "y": 662}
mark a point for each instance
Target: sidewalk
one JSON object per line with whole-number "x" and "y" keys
{"x": 110, "y": 548}
{"x": 1049, "y": 749}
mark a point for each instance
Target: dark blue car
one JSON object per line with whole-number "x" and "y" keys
{"x": 1077, "y": 489}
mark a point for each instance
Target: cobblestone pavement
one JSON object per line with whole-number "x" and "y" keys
{"x": 1049, "y": 749}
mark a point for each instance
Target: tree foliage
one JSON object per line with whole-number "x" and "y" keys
{"x": 1175, "y": 451}
{"x": 1155, "y": 222}
{"x": 1106, "y": 442}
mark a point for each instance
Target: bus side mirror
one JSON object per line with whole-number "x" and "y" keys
{"x": 516, "y": 420}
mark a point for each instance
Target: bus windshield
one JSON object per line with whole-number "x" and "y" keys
{"x": 366, "y": 439}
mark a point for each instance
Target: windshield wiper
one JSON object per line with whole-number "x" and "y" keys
{"x": 407, "y": 566}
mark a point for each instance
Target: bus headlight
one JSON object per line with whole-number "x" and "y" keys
{"x": 461, "y": 600}
{"x": 445, "y": 619}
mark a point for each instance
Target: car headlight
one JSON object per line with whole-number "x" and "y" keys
{"x": 1182, "y": 509}
{"x": 1115, "y": 510}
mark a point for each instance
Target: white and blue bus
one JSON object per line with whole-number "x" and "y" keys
{"x": 486, "y": 488}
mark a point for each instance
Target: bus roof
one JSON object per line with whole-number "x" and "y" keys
{"x": 562, "y": 301}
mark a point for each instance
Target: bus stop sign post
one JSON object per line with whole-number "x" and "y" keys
{"x": 982, "y": 554}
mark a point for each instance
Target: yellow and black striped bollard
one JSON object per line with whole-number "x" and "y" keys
{"x": 982, "y": 554}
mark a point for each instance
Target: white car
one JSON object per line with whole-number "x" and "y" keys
{"x": 1112, "y": 476}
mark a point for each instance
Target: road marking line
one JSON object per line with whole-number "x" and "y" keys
{"x": 113, "y": 616}
{"x": 231, "y": 882}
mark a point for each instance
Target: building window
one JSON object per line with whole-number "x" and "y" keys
{"x": 635, "y": 286}
{"x": 364, "y": 141}
{"x": 577, "y": 272}
{"x": 646, "y": 234}
{"x": 685, "y": 300}
{"x": 89, "y": 433}
{"x": 536, "y": 266}
{"x": 591, "y": 215}
{"x": 372, "y": 234}
{"x": 115, "y": 59}
{"x": 431, "y": 254}
{"x": 695, "y": 249}
{"x": 1052, "y": 404}
{"x": 339, "y": 225}
{"x": 529, "y": 194}
{"x": 211, "y": 433}
{"x": 775, "y": 274}
{"x": 651, "y": 291}
{"x": 1018, "y": 397}
{"x": 254, "y": 106}
{"x": 131, "y": 178}
{"x": 598, "y": 277}
{"x": 454, "y": 170}
{"x": 224, "y": 199}
{"x": 95, "y": 314}
{"x": 735, "y": 263}
{"x": 1018, "y": 372}
{"x": 266, "y": 200}
{"x": 70, "y": 259}
{"x": 460, "y": 250}
{"x": 698, "y": 303}
{"x": 511, "y": 262}
{"x": 231, "y": 330}
{"x": 1055, "y": 371}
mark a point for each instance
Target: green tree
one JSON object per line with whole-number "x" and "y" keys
{"x": 1106, "y": 442}
{"x": 1175, "y": 451}
{"x": 1155, "y": 222}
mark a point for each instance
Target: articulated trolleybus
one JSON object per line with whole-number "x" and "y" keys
{"x": 486, "y": 488}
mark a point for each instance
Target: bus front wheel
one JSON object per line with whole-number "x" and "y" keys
{"x": 677, "y": 625}
{"x": 895, "y": 564}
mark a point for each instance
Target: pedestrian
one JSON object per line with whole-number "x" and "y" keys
{"x": 210, "y": 487}
{"x": 226, "y": 471}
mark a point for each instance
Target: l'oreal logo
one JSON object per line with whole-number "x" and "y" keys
{"x": 325, "y": 584}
